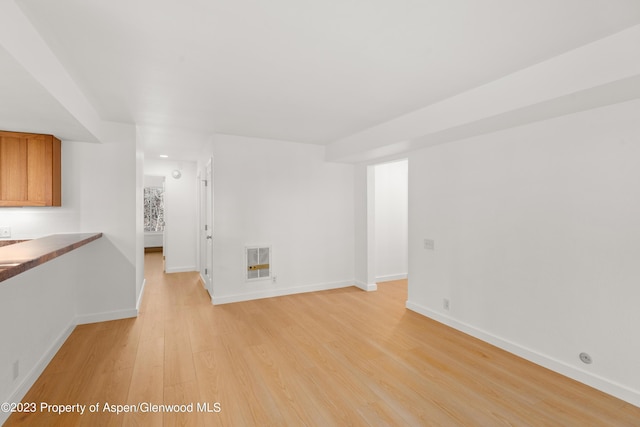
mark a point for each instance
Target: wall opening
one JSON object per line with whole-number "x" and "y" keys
{"x": 154, "y": 216}
{"x": 387, "y": 213}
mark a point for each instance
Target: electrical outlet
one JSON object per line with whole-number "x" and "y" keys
{"x": 274, "y": 279}
{"x": 16, "y": 369}
{"x": 445, "y": 303}
{"x": 429, "y": 244}
{"x": 5, "y": 231}
{"x": 585, "y": 358}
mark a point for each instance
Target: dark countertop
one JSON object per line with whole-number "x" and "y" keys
{"x": 11, "y": 242}
{"x": 20, "y": 257}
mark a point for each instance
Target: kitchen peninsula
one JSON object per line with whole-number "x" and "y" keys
{"x": 20, "y": 257}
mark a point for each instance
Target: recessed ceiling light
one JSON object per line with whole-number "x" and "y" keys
{"x": 164, "y": 156}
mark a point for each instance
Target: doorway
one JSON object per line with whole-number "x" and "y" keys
{"x": 154, "y": 213}
{"x": 206, "y": 227}
{"x": 387, "y": 212}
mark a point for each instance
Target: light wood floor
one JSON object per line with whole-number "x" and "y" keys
{"x": 333, "y": 358}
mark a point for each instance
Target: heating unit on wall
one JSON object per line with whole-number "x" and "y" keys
{"x": 258, "y": 263}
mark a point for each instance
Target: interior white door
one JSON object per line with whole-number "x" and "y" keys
{"x": 209, "y": 227}
{"x": 202, "y": 228}
{"x": 205, "y": 231}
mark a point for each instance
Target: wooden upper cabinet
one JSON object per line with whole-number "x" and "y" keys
{"x": 30, "y": 172}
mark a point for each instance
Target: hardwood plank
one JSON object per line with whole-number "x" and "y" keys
{"x": 147, "y": 382}
{"x": 178, "y": 357}
{"x": 247, "y": 399}
{"x": 338, "y": 357}
{"x": 183, "y": 395}
{"x": 281, "y": 389}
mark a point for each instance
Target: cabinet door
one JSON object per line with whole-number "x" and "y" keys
{"x": 29, "y": 170}
{"x": 39, "y": 170}
{"x": 13, "y": 168}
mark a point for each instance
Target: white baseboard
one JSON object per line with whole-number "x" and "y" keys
{"x": 180, "y": 269}
{"x": 270, "y": 293}
{"x": 369, "y": 287}
{"x": 35, "y": 372}
{"x": 144, "y": 282}
{"x": 391, "y": 277}
{"x": 105, "y": 316}
{"x": 610, "y": 387}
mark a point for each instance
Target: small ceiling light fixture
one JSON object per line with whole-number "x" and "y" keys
{"x": 176, "y": 174}
{"x": 164, "y": 156}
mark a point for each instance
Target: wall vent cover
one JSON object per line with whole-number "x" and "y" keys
{"x": 258, "y": 262}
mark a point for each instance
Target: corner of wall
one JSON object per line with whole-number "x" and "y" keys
{"x": 369, "y": 287}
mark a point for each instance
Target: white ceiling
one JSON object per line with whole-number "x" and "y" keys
{"x": 298, "y": 70}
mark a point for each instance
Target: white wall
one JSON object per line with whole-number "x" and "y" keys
{"x": 153, "y": 239}
{"x": 37, "y": 308}
{"x": 284, "y": 195}
{"x": 391, "y": 220}
{"x": 180, "y": 204}
{"x": 139, "y": 220}
{"x": 107, "y": 182}
{"x": 364, "y": 270}
{"x": 153, "y": 181}
{"x": 536, "y": 242}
